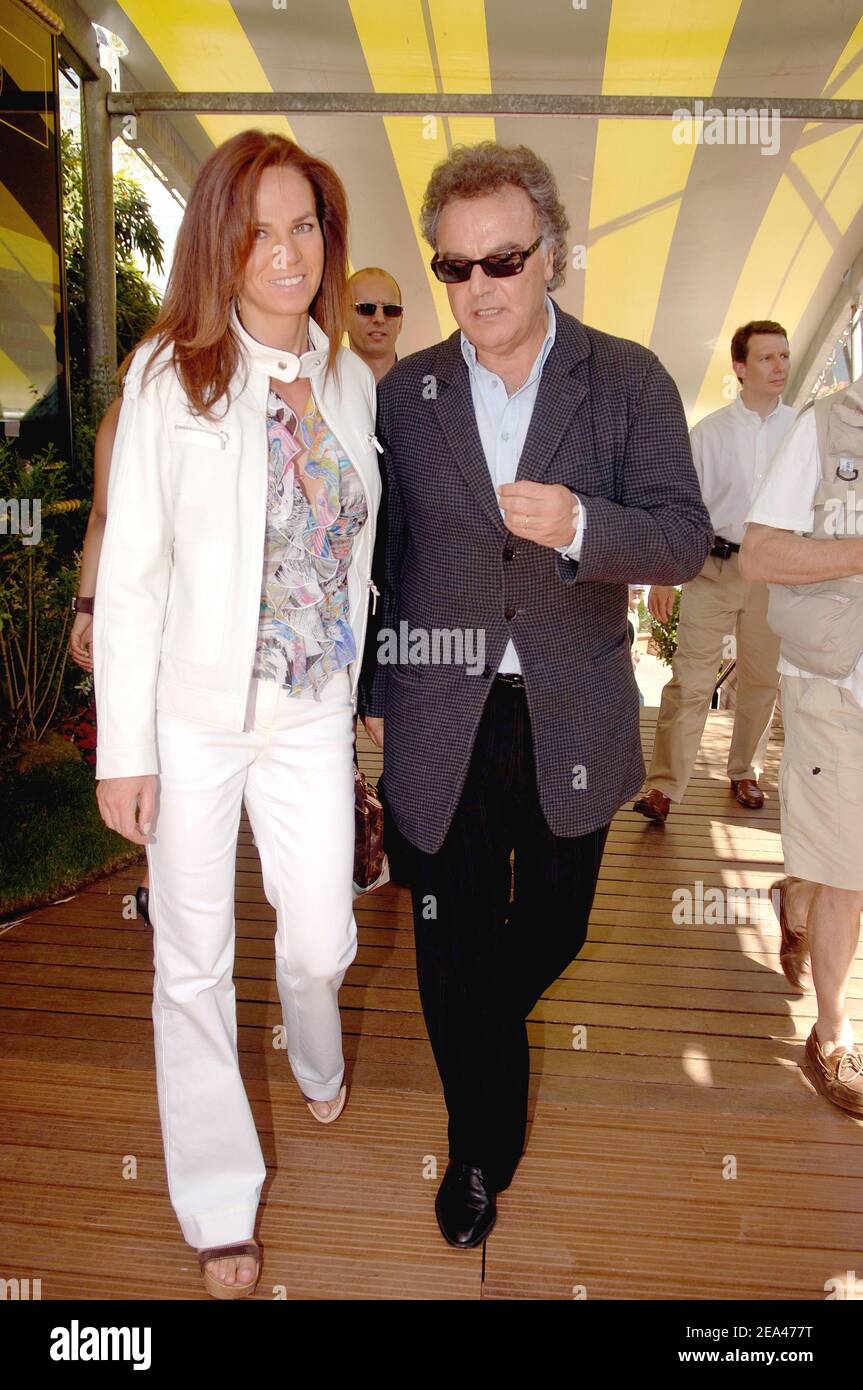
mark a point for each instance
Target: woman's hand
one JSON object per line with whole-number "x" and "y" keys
{"x": 120, "y": 797}
{"x": 375, "y": 730}
{"x": 81, "y": 641}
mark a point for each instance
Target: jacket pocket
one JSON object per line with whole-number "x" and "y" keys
{"x": 202, "y": 436}
{"x": 197, "y": 614}
{"x": 193, "y": 432}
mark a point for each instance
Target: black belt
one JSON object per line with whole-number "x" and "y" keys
{"x": 512, "y": 678}
{"x": 722, "y": 548}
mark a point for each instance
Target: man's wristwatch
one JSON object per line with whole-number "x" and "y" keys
{"x": 82, "y": 605}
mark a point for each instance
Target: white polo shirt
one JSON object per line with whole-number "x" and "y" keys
{"x": 786, "y": 500}
{"x": 732, "y": 449}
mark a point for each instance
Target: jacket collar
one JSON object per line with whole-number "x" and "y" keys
{"x": 558, "y": 398}
{"x": 284, "y": 366}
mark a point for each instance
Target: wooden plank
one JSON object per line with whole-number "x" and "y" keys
{"x": 693, "y": 1041}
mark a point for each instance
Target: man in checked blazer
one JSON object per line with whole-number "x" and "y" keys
{"x": 535, "y": 468}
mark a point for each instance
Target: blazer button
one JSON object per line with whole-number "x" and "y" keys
{"x": 509, "y": 613}
{"x": 509, "y": 552}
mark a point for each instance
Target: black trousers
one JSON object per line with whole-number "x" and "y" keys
{"x": 483, "y": 960}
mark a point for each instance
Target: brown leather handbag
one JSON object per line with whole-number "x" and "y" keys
{"x": 371, "y": 869}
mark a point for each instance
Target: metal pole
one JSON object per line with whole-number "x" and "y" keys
{"x": 480, "y": 104}
{"x": 834, "y": 319}
{"x": 99, "y": 247}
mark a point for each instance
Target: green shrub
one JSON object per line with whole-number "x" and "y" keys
{"x": 54, "y": 838}
{"x": 664, "y": 635}
{"x": 38, "y": 582}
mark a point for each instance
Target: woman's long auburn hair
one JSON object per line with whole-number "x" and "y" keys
{"x": 213, "y": 246}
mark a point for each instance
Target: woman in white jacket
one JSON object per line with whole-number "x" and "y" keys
{"x": 229, "y": 619}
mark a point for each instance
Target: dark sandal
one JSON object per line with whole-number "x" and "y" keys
{"x": 217, "y": 1287}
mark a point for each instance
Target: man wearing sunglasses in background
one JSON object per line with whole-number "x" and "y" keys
{"x": 535, "y": 468}
{"x": 375, "y": 319}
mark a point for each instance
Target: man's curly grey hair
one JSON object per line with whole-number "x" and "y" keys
{"x": 473, "y": 170}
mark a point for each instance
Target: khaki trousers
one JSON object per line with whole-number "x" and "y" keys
{"x": 821, "y": 783}
{"x": 716, "y": 605}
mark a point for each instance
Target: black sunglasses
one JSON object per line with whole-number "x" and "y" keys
{"x": 454, "y": 271}
{"x": 391, "y": 311}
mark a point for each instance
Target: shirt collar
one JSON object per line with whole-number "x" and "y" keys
{"x": 284, "y": 366}
{"x": 752, "y": 416}
{"x": 469, "y": 351}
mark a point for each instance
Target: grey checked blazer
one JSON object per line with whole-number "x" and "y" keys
{"x": 609, "y": 424}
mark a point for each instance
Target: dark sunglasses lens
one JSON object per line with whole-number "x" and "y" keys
{"x": 452, "y": 272}
{"x": 499, "y": 267}
{"x": 391, "y": 311}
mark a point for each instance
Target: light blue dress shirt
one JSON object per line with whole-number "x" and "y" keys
{"x": 502, "y": 422}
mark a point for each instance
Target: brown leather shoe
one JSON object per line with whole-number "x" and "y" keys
{"x": 794, "y": 946}
{"x": 654, "y": 805}
{"x": 748, "y": 793}
{"x": 838, "y": 1075}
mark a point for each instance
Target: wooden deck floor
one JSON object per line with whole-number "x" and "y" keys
{"x": 689, "y": 1072}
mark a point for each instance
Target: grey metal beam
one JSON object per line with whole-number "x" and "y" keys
{"x": 155, "y": 135}
{"x": 832, "y": 323}
{"x": 478, "y": 104}
{"x": 99, "y": 244}
{"x": 100, "y": 282}
{"x": 79, "y": 35}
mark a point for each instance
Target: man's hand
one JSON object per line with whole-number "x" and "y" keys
{"x": 375, "y": 730}
{"x": 120, "y": 797}
{"x": 546, "y": 513}
{"x": 660, "y": 602}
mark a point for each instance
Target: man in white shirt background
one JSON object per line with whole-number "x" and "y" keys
{"x": 821, "y": 780}
{"x": 731, "y": 449}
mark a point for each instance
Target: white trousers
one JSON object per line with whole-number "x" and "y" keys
{"x": 292, "y": 765}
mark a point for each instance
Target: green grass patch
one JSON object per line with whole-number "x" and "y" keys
{"x": 53, "y": 839}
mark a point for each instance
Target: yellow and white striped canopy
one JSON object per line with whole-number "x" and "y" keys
{"x": 682, "y": 241}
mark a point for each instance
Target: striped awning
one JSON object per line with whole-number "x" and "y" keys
{"x": 675, "y": 243}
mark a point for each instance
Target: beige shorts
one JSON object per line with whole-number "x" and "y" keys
{"x": 821, "y": 783}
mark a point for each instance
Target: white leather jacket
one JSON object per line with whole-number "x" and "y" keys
{"x": 179, "y": 586}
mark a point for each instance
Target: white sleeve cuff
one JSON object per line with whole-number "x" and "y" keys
{"x": 573, "y": 550}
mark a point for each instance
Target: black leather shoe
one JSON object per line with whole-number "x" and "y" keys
{"x": 465, "y": 1208}
{"x": 142, "y": 902}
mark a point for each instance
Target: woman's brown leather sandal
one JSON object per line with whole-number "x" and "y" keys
{"x": 217, "y": 1287}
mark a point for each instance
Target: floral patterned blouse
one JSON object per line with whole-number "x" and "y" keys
{"x": 315, "y": 507}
